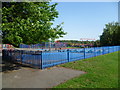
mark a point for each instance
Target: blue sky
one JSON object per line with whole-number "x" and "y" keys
{"x": 85, "y": 19}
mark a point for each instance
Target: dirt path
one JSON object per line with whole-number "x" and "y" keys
{"x": 36, "y": 78}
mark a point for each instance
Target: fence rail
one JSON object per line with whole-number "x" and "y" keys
{"x": 44, "y": 59}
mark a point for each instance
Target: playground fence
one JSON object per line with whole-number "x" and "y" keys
{"x": 44, "y": 59}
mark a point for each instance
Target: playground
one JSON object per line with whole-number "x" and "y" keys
{"x": 97, "y": 73}
{"x": 46, "y": 45}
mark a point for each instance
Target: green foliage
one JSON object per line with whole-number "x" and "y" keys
{"x": 97, "y": 43}
{"x": 29, "y": 22}
{"x": 76, "y": 41}
{"x": 101, "y": 72}
{"x": 111, "y": 34}
{"x": 71, "y": 42}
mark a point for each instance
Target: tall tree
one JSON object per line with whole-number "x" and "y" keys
{"x": 29, "y": 22}
{"x": 111, "y": 34}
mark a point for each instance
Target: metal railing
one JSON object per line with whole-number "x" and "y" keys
{"x": 44, "y": 59}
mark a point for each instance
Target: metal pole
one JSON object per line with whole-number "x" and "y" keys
{"x": 50, "y": 45}
{"x": 94, "y": 52}
{"x": 102, "y": 50}
{"x": 114, "y": 48}
{"x": 21, "y": 55}
{"x": 41, "y": 60}
{"x": 68, "y": 55}
{"x": 84, "y": 52}
{"x": 3, "y": 54}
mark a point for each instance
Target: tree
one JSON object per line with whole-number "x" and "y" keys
{"x": 29, "y": 22}
{"x": 111, "y": 34}
{"x": 97, "y": 43}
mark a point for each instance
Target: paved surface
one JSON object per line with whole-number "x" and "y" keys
{"x": 0, "y": 71}
{"x": 36, "y": 78}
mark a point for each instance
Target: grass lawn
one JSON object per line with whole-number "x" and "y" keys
{"x": 102, "y": 72}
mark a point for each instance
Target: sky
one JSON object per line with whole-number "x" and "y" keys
{"x": 85, "y": 19}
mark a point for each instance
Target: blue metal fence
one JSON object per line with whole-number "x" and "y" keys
{"x": 44, "y": 59}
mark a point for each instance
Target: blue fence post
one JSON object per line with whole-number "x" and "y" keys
{"x": 102, "y": 50}
{"x": 3, "y": 54}
{"x": 112, "y": 49}
{"x": 108, "y": 49}
{"x": 21, "y": 56}
{"x": 41, "y": 61}
{"x": 10, "y": 55}
{"x": 68, "y": 56}
{"x": 94, "y": 52}
{"x": 84, "y": 53}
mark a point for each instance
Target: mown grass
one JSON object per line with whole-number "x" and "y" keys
{"x": 102, "y": 72}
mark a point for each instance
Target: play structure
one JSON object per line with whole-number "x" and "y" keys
{"x": 56, "y": 45}
{"x": 6, "y": 46}
{"x": 45, "y": 45}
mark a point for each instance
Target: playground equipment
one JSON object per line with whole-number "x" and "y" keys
{"x": 6, "y": 46}
{"x": 45, "y": 45}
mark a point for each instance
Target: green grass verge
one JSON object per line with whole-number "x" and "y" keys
{"x": 102, "y": 72}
